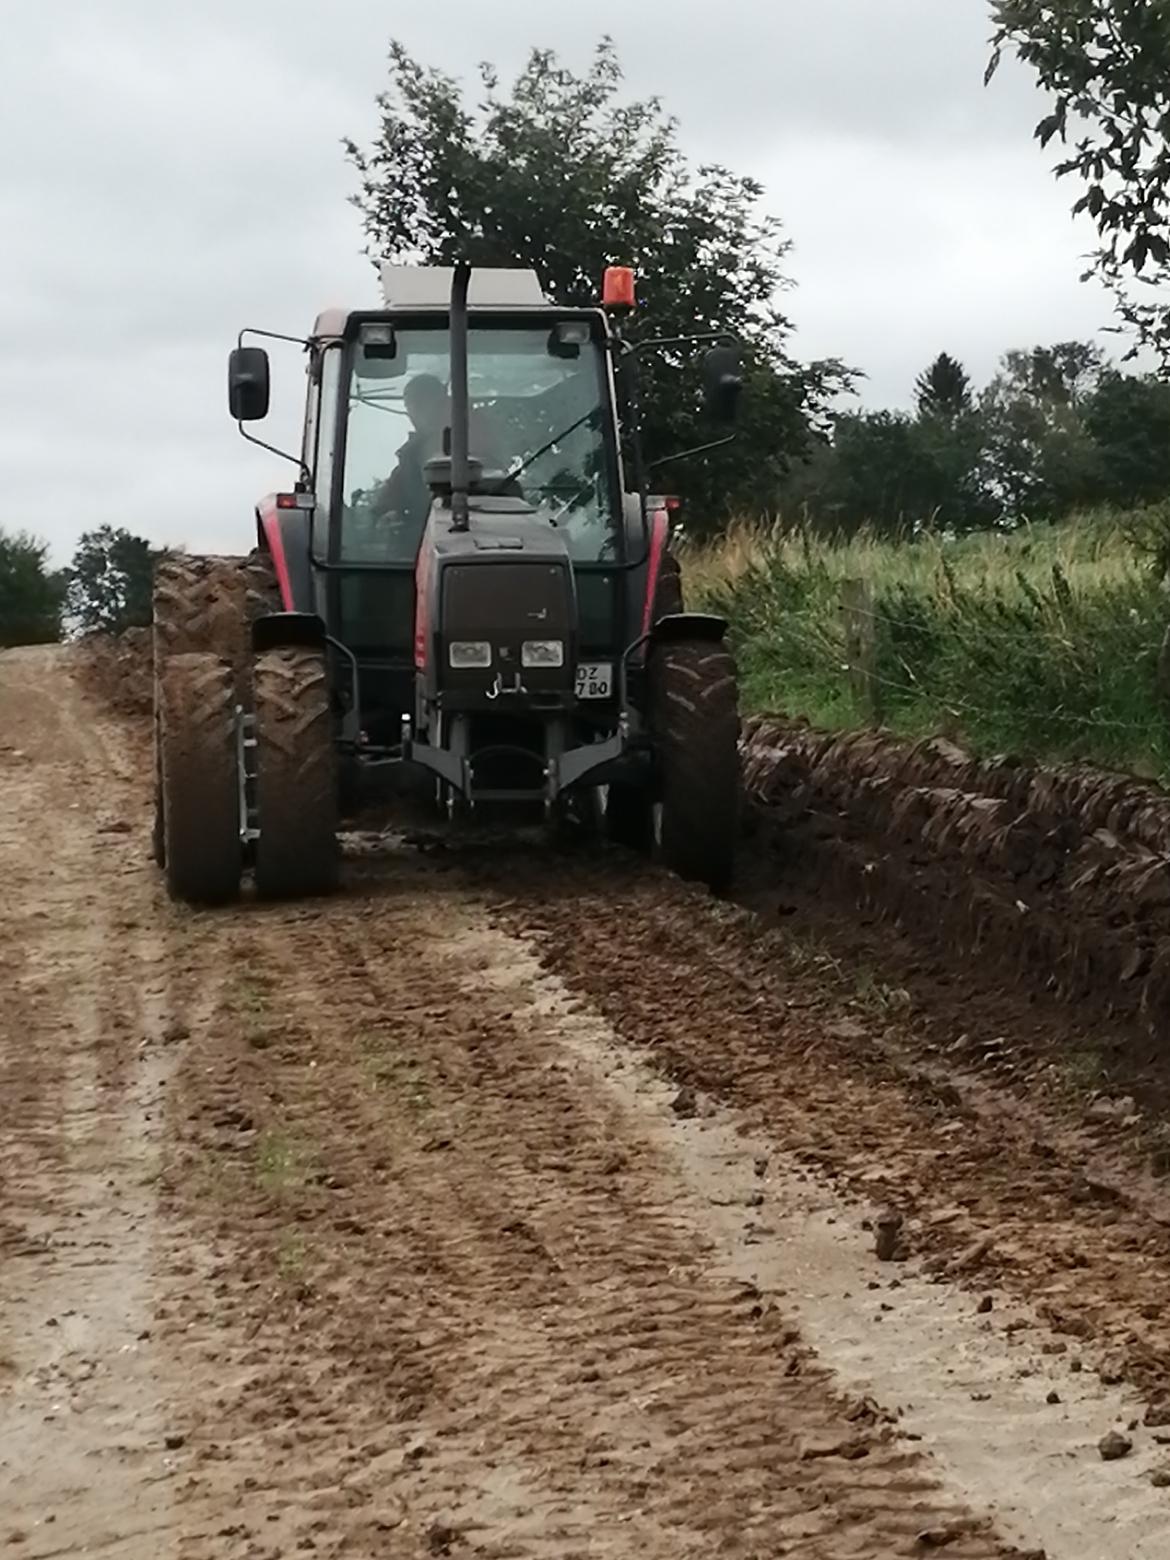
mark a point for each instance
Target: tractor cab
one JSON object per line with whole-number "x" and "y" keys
{"x": 544, "y": 471}
{"x": 543, "y": 466}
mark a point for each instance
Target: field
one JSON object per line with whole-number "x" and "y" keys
{"x": 1044, "y": 642}
{"x": 520, "y": 1202}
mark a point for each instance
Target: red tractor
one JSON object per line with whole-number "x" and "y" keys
{"x": 467, "y": 585}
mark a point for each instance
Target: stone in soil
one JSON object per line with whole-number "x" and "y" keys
{"x": 888, "y": 1233}
{"x": 684, "y": 1104}
{"x": 1114, "y": 1446}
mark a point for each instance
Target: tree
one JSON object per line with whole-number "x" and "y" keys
{"x": 30, "y": 593}
{"x": 110, "y": 581}
{"x": 563, "y": 175}
{"x": 882, "y": 477}
{"x": 1039, "y": 457}
{"x": 1128, "y": 419}
{"x": 893, "y": 473}
{"x": 1106, "y": 64}
{"x": 943, "y": 390}
{"x": 896, "y": 473}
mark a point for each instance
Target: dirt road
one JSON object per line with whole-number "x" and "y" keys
{"x": 513, "y": 1205}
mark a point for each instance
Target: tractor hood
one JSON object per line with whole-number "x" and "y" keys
{"x": 497, "y": 607}
{"x": 499, "y": 527}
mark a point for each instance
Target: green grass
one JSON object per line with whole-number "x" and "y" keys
{"x": 283, "y": 1164}
{"x": 386, "y": 1069}
{"x": 1043, "y": 642}
{"x": 291, "y": 1254}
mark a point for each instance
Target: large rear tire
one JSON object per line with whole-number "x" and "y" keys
{"x": 199, "y": 795}
{"x": 200, "y": 605}
{"x": 694, "y": 722}
{"x": 261, "y": 588}
{"x": 206, "y": 605}
{"x": 296, "y": 775}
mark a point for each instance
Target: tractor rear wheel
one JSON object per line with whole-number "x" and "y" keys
{"x": 200, "y": 605}
{"x": 694, "y": 722}
{"x": 198, "y": 829}
{"x": 296, "y": 775}
{"x": 261, "y": 588}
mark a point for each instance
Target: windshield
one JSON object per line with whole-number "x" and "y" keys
{"x": 537, "y": 425}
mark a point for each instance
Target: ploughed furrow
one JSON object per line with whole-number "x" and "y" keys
{"x": 986, "y": 878}
{"x": 472, "y": 1304}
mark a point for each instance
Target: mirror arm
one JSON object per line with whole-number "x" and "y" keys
{"x": 305, "y": 477}
{"x": 270, "y": 335}
{"x": 297, "y": 341}
{"x": 659, "y": 343}
{"x": 698, "y": 449}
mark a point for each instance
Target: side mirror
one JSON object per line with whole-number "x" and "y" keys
{"x": 722, "y": 383}
{"x": 249, "y": 385}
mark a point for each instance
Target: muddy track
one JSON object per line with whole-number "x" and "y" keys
{"x": 380, "y": 1226}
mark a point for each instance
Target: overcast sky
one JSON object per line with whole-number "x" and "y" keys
{"x": 169, "y": 173}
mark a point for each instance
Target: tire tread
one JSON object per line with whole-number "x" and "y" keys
{"x": 296, "y": 775}
{"x": 695, "y": 725}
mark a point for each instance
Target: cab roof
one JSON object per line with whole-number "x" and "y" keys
{"x": 428, "y": 288}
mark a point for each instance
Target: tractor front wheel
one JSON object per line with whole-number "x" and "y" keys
{"x": 197, "y": 828}
{"x": 694, "y": 722}
{"x": 296, "y": 775}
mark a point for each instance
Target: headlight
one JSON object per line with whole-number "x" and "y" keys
{"x": 542, "y": 652}
{"x": 463, "y": 653}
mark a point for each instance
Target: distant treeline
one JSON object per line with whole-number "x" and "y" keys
{"x": 1058, "y": 429}
{"x": 105, "y": 589}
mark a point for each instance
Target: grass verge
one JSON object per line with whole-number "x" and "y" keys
{"x": 1043, "y": 642}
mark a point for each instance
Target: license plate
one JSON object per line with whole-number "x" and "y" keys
{"x": 595, "y": 679}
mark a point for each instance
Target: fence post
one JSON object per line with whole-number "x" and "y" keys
{"x": 861, "y": 648}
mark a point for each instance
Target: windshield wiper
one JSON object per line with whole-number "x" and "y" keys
{"x": 594, "y": 411}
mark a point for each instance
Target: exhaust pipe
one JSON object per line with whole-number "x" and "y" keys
{"x": 460, "y": 400}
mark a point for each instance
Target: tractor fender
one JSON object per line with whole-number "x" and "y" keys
{"x": 288, "y": 631}
{"x": 704, "y": 626}
{"x": 285, "y": 535}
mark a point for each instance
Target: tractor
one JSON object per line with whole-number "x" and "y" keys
{"x": 468, "y": 592}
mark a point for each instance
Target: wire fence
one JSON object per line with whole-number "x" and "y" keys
{"x": 915, "y": 689}
{"x": 1037, "y": 717}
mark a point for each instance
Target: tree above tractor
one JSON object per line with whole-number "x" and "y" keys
{"x": 562, "y": 174}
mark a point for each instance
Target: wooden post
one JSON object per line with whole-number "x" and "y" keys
{"x": 861, "y": 648}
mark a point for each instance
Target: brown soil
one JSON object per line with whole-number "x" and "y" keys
{"x": 354, "y": 1228}
{"x": 968, "y": 878}
{"x": 119, "y": 670}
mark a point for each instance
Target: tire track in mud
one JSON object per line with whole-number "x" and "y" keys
{"x": 95, "y": 988}
{"x": 724, "y": 1006}
{"x": 538, "y": 1353}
